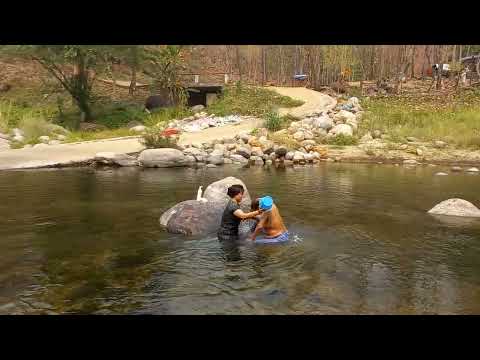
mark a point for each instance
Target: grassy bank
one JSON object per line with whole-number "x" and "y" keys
{"x": 248, "y": 100}
{"x": 454, "y": 119}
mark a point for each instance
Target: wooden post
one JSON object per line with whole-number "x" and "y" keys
{"x": 197, "y": 79}
{"x": 226, "y": 78}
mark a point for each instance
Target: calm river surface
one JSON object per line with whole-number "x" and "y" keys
{"x": 85, "y": 241}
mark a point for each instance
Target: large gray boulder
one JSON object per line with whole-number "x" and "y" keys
{"x": 194, "y": 217}
{"x": 162, "y": 158}
{"x": 455, "y": 207}
{"x": 217, "y": 192}
{"x": 215, "y": 157}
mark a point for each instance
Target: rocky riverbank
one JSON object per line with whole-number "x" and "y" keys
{"x": 319, "y": 137}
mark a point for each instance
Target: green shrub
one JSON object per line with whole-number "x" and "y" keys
{"x": 118, "y": 115}
{"x": 166, "y": 115}
{"x": 34, "y": 128}
{"x": 342, "y": 140}
{"x": 249, "y": 100}
{"x": 273, "y": 121}
{"x": 153, "y": 139}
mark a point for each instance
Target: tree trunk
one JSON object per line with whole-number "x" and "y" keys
{"x": 264, "y": 66}
{"x": 133, "y": 81}
{"x": 413, "y": 62}
{"x": 80, "y": 88}
{"x": 237, "y": 53}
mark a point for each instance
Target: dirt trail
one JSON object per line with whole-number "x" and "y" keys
{"x": 219, "y": 132}
{"x": 314, "y": 101}
{"x": 66, "y": 154}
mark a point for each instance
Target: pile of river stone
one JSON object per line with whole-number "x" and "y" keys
{"x": 56, "y": 135}
{"x": 201, "y": 121}
{"x": 342, "y": 120}
{"x": 250, "y": 150}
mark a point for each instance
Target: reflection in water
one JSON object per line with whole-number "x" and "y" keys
{"x": 88, "y": 241}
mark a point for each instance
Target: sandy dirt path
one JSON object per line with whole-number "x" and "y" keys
{"x": 66, "y": 154}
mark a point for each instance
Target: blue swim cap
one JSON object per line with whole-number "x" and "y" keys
{"x": 265, "y": 203}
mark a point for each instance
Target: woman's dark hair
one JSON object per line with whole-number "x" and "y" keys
{"x": 234, "y": 190}
{"x": 255, "y": 204}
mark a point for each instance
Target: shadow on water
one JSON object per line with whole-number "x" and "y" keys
{"x": 88, "y": 241}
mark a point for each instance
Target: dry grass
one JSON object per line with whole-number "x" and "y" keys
{"x": 454, "y": 118}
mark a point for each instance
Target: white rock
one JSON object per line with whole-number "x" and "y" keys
{"x": 18, "y": 132}
{"x": 54, "y": 142}
{"x": 308, "y": 157}
{"x": 308, "y": 135}
{"x": 342, "y": 129}
{"x": 456, "y": 168}
{"x": 344, "y": 116}
{"x": 257, "y": 151}
{"x": 227, "y": 161}
{"x": 197, "y": 108}
{"x": 289, "y": 155}
{"x": 239, "y": 158}
{"x": 138, "y": 129}
{"x": 61, "y": 137}
{"x": 439, "y": 144}
{"x": 473, "y": 169}
{"x": 410, "y": 162}
{"x": 366, "y": 138}
{"x": 419, "y": 152}
{"x": 4, "y": 144}
{"x": 323, "y": 122}
{"x": 353, "y": 124}
{"x": 18, "y": 138}
{"x": 299, "y": 136}
{"x": 441, "y": 174}
{"x": 455, "y": 207}
{"x": 298, "y": 156}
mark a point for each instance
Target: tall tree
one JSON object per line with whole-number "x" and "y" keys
{"x": 73, "y": 66}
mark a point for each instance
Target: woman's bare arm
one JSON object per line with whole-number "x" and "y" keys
{"x": 260, "y": 226}
{"x": 240, "y": 214}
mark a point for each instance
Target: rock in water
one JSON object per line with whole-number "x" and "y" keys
{"x": 455, "y": 207}
{"x": 217, "y": 192}
{"x": 194, "y": 217}
{"x": 162, "y": 158}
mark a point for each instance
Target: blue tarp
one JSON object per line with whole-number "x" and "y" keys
{"x": 300, "y": 77}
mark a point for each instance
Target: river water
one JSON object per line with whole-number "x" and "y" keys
{"x": 83, "y": 241}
